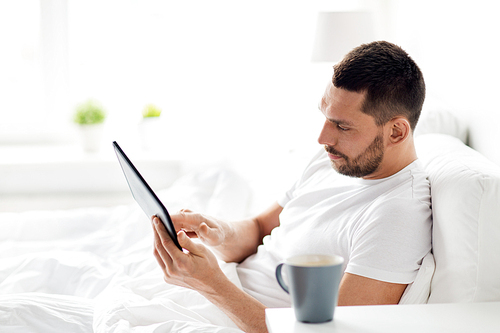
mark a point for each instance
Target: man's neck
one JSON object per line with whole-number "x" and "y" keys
{"x": 395, "y": 159}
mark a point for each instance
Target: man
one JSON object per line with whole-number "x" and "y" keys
{"x": 373, "y": 208}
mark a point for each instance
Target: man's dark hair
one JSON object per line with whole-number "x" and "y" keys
{"x": 393, "y": 83}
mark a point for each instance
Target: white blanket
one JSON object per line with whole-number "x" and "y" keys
{"x": 93, "y": 269}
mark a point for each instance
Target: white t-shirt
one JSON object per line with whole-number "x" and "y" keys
{"x": 381, "y": 227}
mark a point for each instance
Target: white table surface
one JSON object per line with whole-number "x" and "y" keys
{"x": 428, "y": 318}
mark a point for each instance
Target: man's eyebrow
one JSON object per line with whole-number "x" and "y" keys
{"x": 341, "y": 122}
{"x": 320, "y": 104}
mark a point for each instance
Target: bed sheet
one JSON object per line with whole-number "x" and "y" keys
{"x": 92, "y": 269}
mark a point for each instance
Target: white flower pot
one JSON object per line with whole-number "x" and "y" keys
{"x": 91, "y": 137}
{"x": 150, "y": 132}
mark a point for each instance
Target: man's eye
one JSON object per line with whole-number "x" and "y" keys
{"x": 342, "y": 128}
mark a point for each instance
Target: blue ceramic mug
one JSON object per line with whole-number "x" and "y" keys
{"x": 313, "y": 283}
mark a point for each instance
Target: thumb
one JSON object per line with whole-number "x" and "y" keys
{"x": 187, "y": 243}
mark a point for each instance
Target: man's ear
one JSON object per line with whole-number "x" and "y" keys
{"x": 399, "y": 130}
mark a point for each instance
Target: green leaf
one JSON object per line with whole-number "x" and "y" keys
{"x": 89, "y": 112}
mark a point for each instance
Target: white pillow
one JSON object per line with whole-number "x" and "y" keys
{"x": 443, "y": 122}
{"x": 419, "y": 290}
{"x": 465, "y": 191}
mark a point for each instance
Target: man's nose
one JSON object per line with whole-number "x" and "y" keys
{"x": 327, "y": 135}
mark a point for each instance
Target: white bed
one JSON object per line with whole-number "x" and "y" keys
{"x": 92, "y": 269}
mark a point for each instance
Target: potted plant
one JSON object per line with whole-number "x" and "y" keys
{"x": 149, "y": 127}
{"x": 90, "y": 117}
{"x": 151, "y": 111}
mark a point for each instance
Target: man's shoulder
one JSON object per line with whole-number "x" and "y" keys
{"x": 406, "y": 191}
{"x": 413, "y": 176}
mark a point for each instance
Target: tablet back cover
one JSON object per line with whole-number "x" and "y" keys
{"x": 143, "y": 194}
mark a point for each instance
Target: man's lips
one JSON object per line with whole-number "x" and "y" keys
{"x": 334, "y": 157}
{"x": 333, "y": 154}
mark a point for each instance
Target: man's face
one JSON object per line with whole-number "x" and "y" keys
{"x": 354, "y": 143}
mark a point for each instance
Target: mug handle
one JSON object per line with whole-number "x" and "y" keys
{"x": 281, "y": 282}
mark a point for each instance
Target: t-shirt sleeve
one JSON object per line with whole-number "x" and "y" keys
{"x": 390, "y": 244}
{"x": 287, "y": 196}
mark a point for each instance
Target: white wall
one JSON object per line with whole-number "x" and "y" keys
{"x": 235, "y": 81}
{"x": 456, "y": 45}
{"x": 234, "y": 78}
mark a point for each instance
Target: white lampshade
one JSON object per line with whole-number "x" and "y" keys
{"x": 337, "y": 33}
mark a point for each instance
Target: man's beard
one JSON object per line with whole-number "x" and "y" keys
{"x": 362, "y": 165}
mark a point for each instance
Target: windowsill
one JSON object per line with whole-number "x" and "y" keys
{"x": 35, "y": 202}
{"x": 39, "y": 173}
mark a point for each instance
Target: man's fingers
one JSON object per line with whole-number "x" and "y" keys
{"x": 199, "y": 226}
{"x": 191, "y": 234}
{"x": 163, "y": 258}
{"x": 159, "y": 259}
{"x": 187, "y": 220}
{"x": 208, "y": 235}
{"x": 186, "y": 243}
{"x": 164, "y": 245}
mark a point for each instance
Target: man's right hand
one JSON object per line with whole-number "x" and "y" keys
{"x": 231, "y": 241}
{"x": 210, "y": 231}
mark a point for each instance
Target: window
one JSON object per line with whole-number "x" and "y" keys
{"x": 207, "y": 64}
{"x": 33, "y": 63}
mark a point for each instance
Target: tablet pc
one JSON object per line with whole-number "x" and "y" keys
{"x": 144, "y": 195}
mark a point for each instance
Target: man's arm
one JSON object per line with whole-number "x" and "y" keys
{"x": 359, "y": 290}
{"x": 196, "y": 268}
{"x": 232, "y": 241}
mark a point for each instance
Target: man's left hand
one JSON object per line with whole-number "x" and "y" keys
{"x": 196, "y": 267}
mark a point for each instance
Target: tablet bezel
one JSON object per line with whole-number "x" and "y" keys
{"x": 152, "y": 205}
